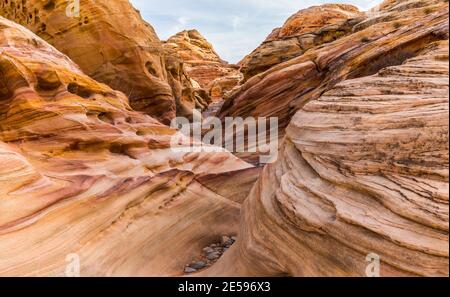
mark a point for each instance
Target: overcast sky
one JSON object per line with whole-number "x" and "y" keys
{"x": 234, "y": 27}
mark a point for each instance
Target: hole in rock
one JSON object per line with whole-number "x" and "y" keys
{"x": 78, "y": 90}
{"x": 151, "y": 69}
{"x": 48, "y": 80}
{"x": 117, "y": 148}
{"x": 106, "y": 117}
{"x": 50, "y": 5}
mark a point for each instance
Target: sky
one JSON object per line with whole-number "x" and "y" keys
{"x": 234, "y": 27}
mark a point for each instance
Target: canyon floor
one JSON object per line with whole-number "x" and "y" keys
{"x": 87, "y": 166}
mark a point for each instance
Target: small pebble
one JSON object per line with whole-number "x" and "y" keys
{"x": 225, "y": 239}
{"x": 213, "y": 256}
{"x": 190, "y": 270}
{"x": 198, "y": 265}
{"x": 208, "y": 250}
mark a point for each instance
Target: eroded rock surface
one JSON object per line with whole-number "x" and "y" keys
{"x": 363, "y": 171}
{"x": 82, "y": 173}
{"x": 285, "y": 88}
{"x": 128, "y": 58}
{"x": 188, "y": 94}
{"x": 362, "y": 168}
{"x": 304, "y": 30}
{"x": 203, "y": 64}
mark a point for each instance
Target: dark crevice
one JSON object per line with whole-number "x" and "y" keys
{"x": 79, "y": 90}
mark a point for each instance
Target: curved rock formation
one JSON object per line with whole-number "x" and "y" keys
{"x": 203, "y": 64}
{"x": 128, "y": 58}
{"x": 304, "y": 30}
{"x": 285, "y": 88}
{"x": 84, "y": 174}
{"x": 363, "y": 171}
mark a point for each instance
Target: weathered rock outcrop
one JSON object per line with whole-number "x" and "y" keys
{"x": 222, "y": 86}
{"x": 285, "y": 88}
{"x": 203, "y": 64}
{"x": 306, "y": 29}
{"x": 187, "y": 92}
{"x": 362, "y": 171}
{"x": 128, "y": 58}
{"x": 82, "y": 173}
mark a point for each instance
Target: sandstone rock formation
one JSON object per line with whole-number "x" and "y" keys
{"x": 187, "y": 92}
{"x": 222, "y": 86}
{"x": 82, "y": 173}
{"x": 362, "y": 168}
{"x": 203, "y": 64}
{"x": 363, "y": 171}
{"x": 128, "y": 58}
{"x": 377, "y": 42}
{"x": 306, "y": 29}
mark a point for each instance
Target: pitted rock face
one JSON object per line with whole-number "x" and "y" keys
{"x": 109, "y": 41}
{"x": 304, "y": 30}
{"x": 81, "y": 172}
{"x": 188, "y": 94}
{"x": 203, "y": 64}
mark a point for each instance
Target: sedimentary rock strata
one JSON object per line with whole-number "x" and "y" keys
{"x": 87, "y": 174}
{"x": 82, "y": 173}
{"x": 285, "y": 88}
{"x": 127, "y": 58}
{"x": 363, "y": 171}
{"x": 304, "y": 30}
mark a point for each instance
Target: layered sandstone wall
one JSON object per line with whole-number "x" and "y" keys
{"x": 82, "y": 173}
{"x": 304, "y": 30}
{"x": 129, "y": 58}
{"x": 362, "y": 167}
{"x": 387, "y": 38}
{"x": 362, "y": 172}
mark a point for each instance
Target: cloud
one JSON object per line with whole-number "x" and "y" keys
{"x": 183, "y": 20}
{"x": 180, "y": 25}
{"x": 235, "y": 21}
{"x": 234, "y": 27}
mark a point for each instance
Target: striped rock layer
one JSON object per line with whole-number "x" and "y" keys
{"x": 362, "y": 175}
{"x": 82, "y": 173}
